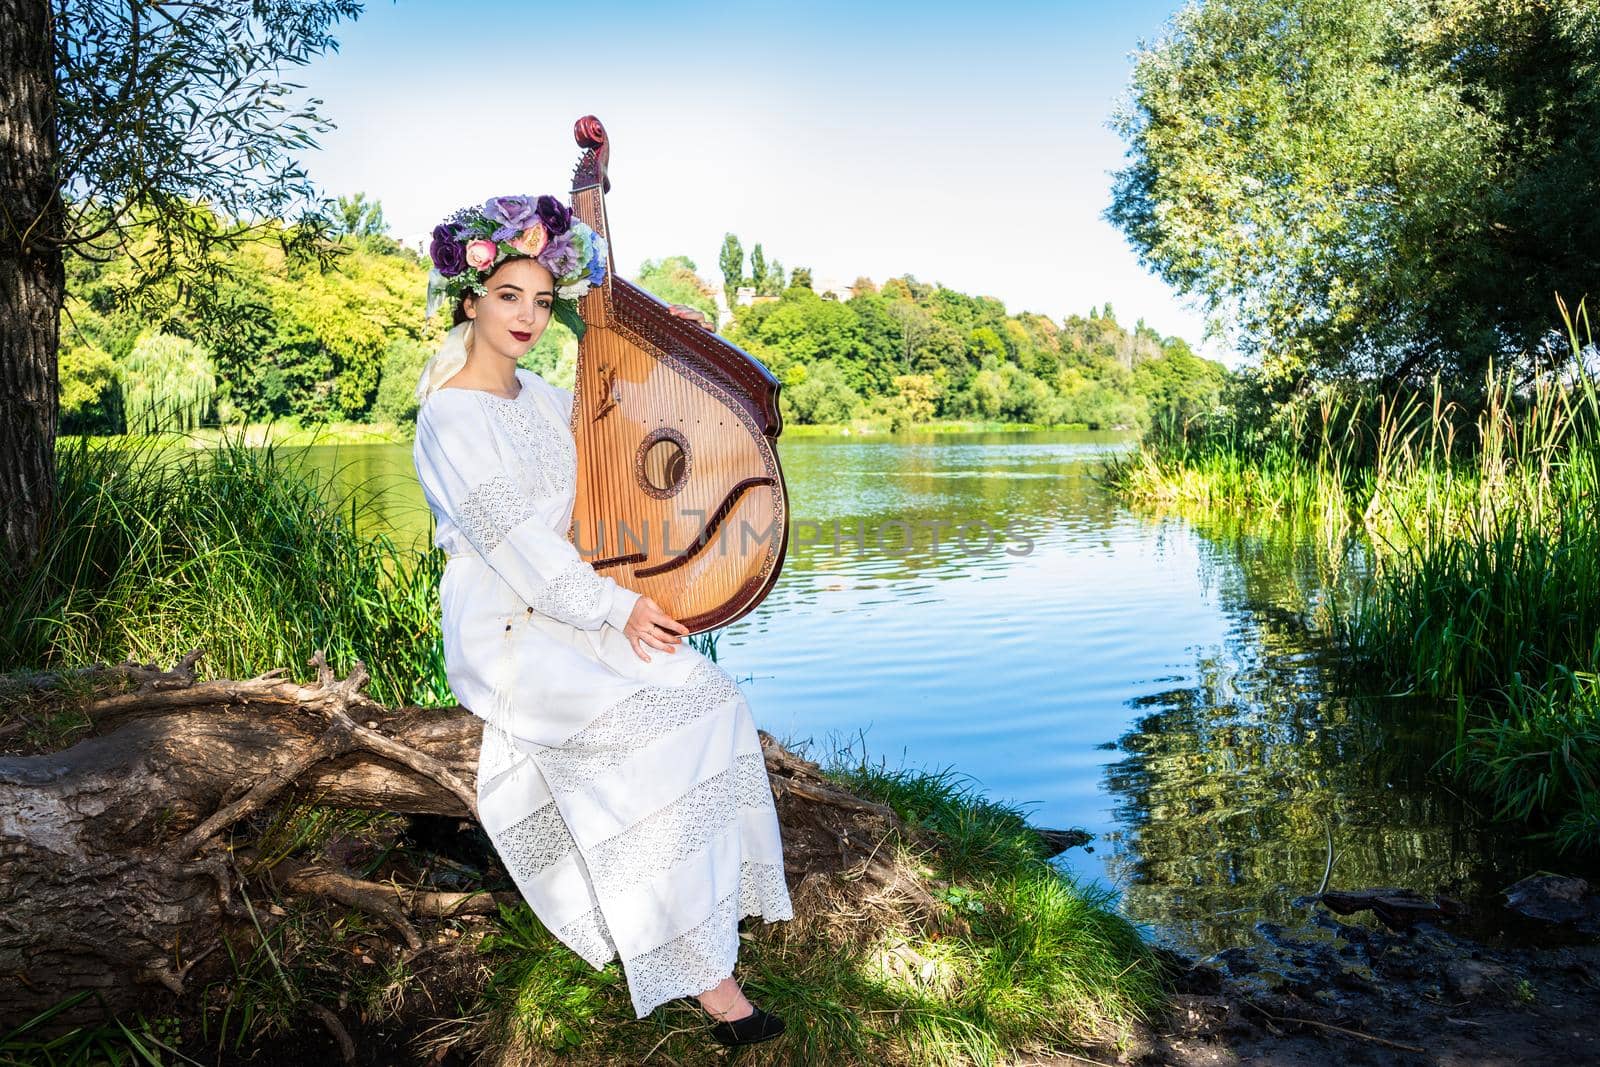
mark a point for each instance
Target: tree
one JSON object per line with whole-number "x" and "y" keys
{"x": 360, "y": 217}
{"x": 916, "y": 325}
{"x": 801, "y": 278}
{"x": 919, "y": 392}
{"x": 168, "y": 383}
{"x": 1365, "y": 187}
{"x": 758, "y": 268}
{"x": 122, "y": 120}
{"x": 821, "y": 395}
{"x": 731, "y": 262}
{"x": 772, "y": 284}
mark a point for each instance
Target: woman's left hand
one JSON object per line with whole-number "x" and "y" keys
{"x": 648, "y": 625}
{"x": 695, "y": 315}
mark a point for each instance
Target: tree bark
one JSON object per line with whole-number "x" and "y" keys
{"x": 32, "y": 278}
{"x": 115, "y": 874}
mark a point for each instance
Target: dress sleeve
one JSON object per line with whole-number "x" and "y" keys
{"x": 464, "y": 478}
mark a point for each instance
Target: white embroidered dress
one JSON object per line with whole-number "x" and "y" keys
{"x": 628, "y": 800}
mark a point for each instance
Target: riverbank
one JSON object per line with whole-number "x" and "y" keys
{"x": 942, "y": 935}
{"x": 288, "y": 432}
{"x": 1493, "y": 988}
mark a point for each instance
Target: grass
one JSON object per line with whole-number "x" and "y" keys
{"x": 112, "y": 1043}
{"x": 1484, "y": 535}
{"x": 1018, "y": 958}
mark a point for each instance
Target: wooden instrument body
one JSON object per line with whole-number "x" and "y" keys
{"x": 680, "y": 495}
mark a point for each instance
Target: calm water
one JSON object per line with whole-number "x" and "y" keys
{"x": 1152, "y": 680}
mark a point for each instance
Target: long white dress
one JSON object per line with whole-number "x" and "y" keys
{"x": 629, "y": 800}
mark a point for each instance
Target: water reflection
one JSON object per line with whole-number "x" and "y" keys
{"x": 1154, "y": 680}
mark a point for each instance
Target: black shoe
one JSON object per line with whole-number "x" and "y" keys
{"x": 755, "y": 1027}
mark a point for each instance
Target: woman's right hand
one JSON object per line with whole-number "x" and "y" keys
{"x": 649, "y": 625}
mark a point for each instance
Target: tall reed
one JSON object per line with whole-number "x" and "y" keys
{"x": 241, "y": 551}
{"x": 1484, "y": 525}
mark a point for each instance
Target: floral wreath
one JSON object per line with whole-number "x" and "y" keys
{"x": 471, "y": 242}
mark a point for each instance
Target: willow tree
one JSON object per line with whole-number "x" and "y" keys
{"x": 1371, "y": 188}
{"x": 160, "y": 130}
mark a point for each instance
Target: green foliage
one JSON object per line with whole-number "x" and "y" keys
{"x": 820, "y": 395}
{"x": 673, "y": 280}
{"x": 771, "y": 283}
{"x": 346, "y": 344}
{"x": 1369, "y": 188}
{"x": 539, "y": 990}
{"x": 965, "y": 357}
{"x": 168, "y": 383}
{"x": 403, "y": 360}
{"x": 114, "y": 1043}
{"x": 296, "y": 340}
{"x": 360, "y": 217}
{"x": 758, "y": 267}
{"x": 88, "y": 376}
{"x": 177, "y": 130}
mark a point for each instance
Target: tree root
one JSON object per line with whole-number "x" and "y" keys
{"x": 395, "y": 904}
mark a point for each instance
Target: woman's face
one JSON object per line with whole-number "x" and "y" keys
{"x": 509, "y": 321}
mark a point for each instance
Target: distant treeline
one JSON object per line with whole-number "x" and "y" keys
{"x": 345, "y": 344}
{"x": 907, "y": 351}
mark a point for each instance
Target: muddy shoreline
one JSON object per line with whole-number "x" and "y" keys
{"x": 1488, "y": 986}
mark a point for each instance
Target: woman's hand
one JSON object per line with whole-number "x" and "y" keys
{"x": 649, "y": 625}
{"x": 694, "y": 315}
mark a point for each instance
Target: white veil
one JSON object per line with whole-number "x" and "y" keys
{"x": 451, "y": 357}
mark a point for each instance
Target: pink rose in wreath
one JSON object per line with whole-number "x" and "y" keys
{"x": 480, "y": 254}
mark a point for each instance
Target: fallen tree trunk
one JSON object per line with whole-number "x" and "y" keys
{"x": 115, "y": 870}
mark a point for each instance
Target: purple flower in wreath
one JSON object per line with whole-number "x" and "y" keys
{"x": 514, "y": 213}
{"x": 559, "y": 256}
{"x": 555, "y": 215}
{"x": 449, "y": 257}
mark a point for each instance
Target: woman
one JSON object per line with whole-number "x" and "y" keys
{"x": 626, "y": 792}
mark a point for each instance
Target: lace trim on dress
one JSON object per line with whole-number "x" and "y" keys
{"x": 545, "y": 450}
{"x": 699, "y": 958}
{"x": 534, "y": 844}
{"x": 636, "y": 721}
{"x": 573, "y": 596}
{"x": 672, "y": 834}
{"x": 589, "y": 937}
{"x": 491, "y": 510}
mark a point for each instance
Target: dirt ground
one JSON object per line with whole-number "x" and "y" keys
{"x": 1334, "y": 993}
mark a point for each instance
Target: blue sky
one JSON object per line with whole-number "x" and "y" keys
{"x": 962, "y": 143}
